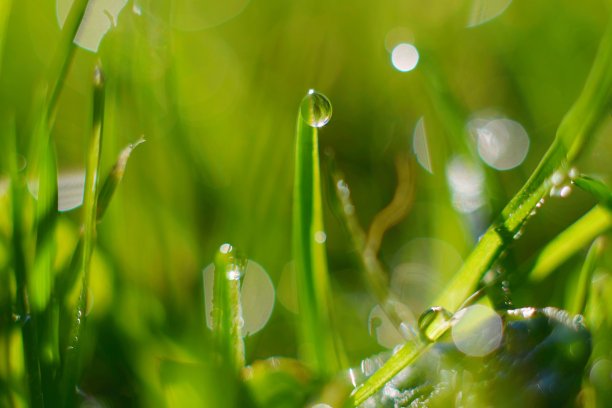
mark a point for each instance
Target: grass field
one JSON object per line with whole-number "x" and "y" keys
{"x": 305, "y": 204}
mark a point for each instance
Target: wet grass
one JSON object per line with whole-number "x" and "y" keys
{"x": 103, "y": 304}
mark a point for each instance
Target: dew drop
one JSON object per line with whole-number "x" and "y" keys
{"x": 557, "y": 178}
{"x": 225, "y": 248}
{"x": 573, "y": 173}
{"x": 565, "y": 191}
{"x": 320, "y": 237}
{"x": 429, "y": 316}
{"x": 315, "y": 109}
{"x": 234, "y": 273}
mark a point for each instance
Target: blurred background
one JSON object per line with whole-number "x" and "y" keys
{"x": 471, "y": 90}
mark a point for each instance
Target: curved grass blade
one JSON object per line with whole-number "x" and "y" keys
{"x": 596, "y": 188}
{"x": 586, "y": 274}
{"x": 319, "y": 346}
{"x": 227, "y": 312}
{"x": 71, "y": 370}
{"x": 568, "y": 242}
{"x": 66, "y": 280}
{"x": 578, "y": 124}
{"x": 112, "y": 181}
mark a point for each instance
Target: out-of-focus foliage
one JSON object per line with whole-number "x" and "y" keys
{"x": 214, "y": 88}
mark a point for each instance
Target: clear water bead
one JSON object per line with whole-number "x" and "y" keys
{"x": 316, "y": 109}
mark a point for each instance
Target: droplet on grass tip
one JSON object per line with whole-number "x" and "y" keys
{"x": 316, "y": 109}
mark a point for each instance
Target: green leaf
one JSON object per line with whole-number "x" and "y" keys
{"x": 319, "y": 346}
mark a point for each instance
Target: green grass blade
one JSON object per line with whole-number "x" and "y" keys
{"x": 227, "y": 313}
{"x": 66, "y": 280}
{"x": 18, "y": 192}
{"x": 64, "y": 54}
{"x": 596, "y": 188}
{"x": 92, "y": 168}
{"x": 318, "y": 345}
{"x": 46, "y": 216}
{"x": 577, "y": 236}
{"x": 112, "y": 181}
{"x": 577, "y": 125}
{"x": 5, "y": 11}
{"x": 586, "y": 274}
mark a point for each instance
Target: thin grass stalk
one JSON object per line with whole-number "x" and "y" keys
{"x": 73, "y": 356}
{"x": 581, "y": 294}
{"x": 64, "y": 54}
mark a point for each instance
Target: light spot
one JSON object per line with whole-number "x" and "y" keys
{"x": 257, "y": 297}
{"x": 320, "y": 237}
{"x": 405, "y": 57}
{"x": 502, "y": 143}
{"x": 466, "y": 182}
{"x": 225, "y": 249}
{"x": 386, "y": 333}
{"x": 420, "y": 145}
{"x": 477, "y": 330}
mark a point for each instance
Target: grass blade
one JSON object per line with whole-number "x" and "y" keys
{"x": 28, "y": 328}
{"x": 586, "y": 274}
{"x": 578, "y": 235}
{"x": 64, "y": 54}
{"x": 318, "y": 344}
{"x": 72, "y": 358}
{"x": 596, "y": 188}
{"x": 114, "y": 178}
{"x": 227, "y": 312}
{"x": 573, "y": 132}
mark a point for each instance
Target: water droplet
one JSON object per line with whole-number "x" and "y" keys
{"x": 557, "y": 178}
{"x": 233, "y": 272}
{"x": 519, "y": 233}
{"x": 316, "y": 109}
{"x": 225, "y": 249}
{"x": 320, "y": 237}
{"x": 573, "y": 173}
{"x": 565, "y": 191}
{"x": 429, "y": 316}
{"x": 540, "y": 203}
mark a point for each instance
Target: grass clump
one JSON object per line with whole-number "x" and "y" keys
{"x": 386, "y": 257}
